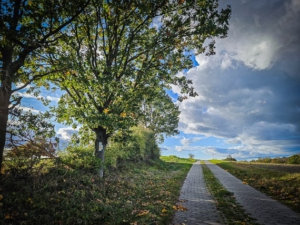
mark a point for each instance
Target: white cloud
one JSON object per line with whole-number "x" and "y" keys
{"x": 66, "y": 133}
{"x": 19, "y": 84}
{"x": 52, "y": 98}
{"x": 166, "y": 148}
{"x": 249, "y": 91}
{"x": 25, "y": 95}
{"x": 187, "y": 141}
{"x": 189, "y": 148}
{"x": 30, "y": 95}
{"x": 26, "y": 109}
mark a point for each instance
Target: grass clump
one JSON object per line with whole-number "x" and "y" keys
{"x": 231, "y": 211}
{"x": 70, "y": 192}
{"x": 277, "y": 181}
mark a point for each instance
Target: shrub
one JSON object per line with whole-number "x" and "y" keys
{"x": 79, "y": 157}
{"x": 139, "y": 145}
{"x": 229, "y": 158}
{"x": 24, "y": 159}
{"x": 294, "y": 159}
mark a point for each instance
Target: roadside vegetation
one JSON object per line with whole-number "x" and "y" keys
{"x": 69, "y": 191}
{"x": 280, "y": 182}
{"x": 294, "y": 159}
{"x": 231, "y": 211}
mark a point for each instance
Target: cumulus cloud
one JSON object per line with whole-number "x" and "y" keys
{"x": 52, "y": 98}
{"x": 261, "y": 32}
{"x": 187, "y": 141}
{"x": 66, "y": 133}
{"x": 249, "y": 91}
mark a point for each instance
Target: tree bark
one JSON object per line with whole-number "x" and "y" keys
{"x": 4, "y": 105}
{"x": 101, "y": 137}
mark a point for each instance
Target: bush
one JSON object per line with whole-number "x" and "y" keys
{"x": 78, "y": 157}
{"x": 25, "y": 159}
{"x": 229, "y": 158}
{"x": 294, "y": 159}
{"x": 139, "y": 146}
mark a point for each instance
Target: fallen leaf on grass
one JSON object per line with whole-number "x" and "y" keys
{"x": 179, "y": 207}
{"x": 143, "y": 213}
{"x": 7, "y": 217}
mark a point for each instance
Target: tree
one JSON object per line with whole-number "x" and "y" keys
{"x": 27, "y": 127}
{"x": 27, "y": 29}
{"x": 191, "y": 156}
{"x": 160, "y": 115}
{"x": 230, "y": 158}
{"x": 119, "y": 53}
{"x": 29, "y": 137}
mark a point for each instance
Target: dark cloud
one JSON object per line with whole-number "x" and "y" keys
{"x": 249, "y": 92}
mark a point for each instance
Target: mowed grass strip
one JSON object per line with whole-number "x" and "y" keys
{"x": 231, "y": 211}
{"x": 137, "y": 193}
{"x": 282, "y": 184}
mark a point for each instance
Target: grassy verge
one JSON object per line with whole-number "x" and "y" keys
{"x": 282, "y": 184}
{"x": 232, "y": 212}
{"x": 137, "y": 193}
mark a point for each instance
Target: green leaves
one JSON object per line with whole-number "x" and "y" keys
{"x": 160, "y": 115}
{"x": 124, "y": 55}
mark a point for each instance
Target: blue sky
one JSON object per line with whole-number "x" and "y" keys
{"x": 249, "y": 92}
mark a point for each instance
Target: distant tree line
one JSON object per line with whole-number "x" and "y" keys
{"x": 294, "y": 159}
{"x": 229, "y": 158}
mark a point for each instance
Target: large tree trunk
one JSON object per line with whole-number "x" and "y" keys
{"x": 4, "y": 104}
{"x": 101, "y": 137}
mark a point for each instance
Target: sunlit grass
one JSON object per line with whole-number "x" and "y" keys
{"x": 282, "y": 184}
{"x": 136, "y": 193}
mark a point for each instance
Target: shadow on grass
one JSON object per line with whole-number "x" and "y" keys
{"x": 135, "y": 193}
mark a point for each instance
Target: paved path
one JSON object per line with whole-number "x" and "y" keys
{"x": 200, "y": 206}
{"x": 266, "y": 210}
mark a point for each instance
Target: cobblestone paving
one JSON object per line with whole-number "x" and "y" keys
{"x": 266, "y": 210}
{"x": 198, "y": 201}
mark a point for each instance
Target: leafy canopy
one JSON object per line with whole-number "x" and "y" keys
{"x": 118, "y": 52}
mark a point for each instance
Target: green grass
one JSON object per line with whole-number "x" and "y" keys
{"x": 231, "y": 211}
{"x": 277, "y": 181}
{"x": 215, "y": 161}
{"x": 175, "y": 159}
{"x": 136, "y": 193}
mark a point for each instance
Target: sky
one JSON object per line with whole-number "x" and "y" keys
{"x": 248, "y": 102}
{"x": 249, "y": 92}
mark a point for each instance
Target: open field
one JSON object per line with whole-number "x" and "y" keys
{"x": 136, "y": 193}
{"x": 280, "y": 182}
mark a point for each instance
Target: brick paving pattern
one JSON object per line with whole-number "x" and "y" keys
{"x": 267, "y": 211}
{"x": 200, "y": 206}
